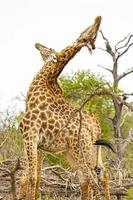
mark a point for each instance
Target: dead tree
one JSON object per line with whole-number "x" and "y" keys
{"x": 118, "y": 98}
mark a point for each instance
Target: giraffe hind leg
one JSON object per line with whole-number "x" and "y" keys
{"x": 105, "y": 184}
{"x": 32, "y": 172}
{"x": 39, "y": 159}
{"x": 23, "y": 185}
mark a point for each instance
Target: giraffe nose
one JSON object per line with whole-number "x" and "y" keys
{"x": 38, "y": 45}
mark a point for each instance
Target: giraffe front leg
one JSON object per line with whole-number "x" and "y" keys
{"x": 23, "y": 185}
{"x": 32, "y": 176}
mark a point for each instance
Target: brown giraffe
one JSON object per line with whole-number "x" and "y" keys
{"x": 45, "y": 123}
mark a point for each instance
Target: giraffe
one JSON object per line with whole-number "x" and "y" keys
{"x": 45, "y": 124}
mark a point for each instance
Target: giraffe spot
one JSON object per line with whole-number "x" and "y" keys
{"x": 50, "y": 127}
{"x": 34, "y": 131}
{"x": 42, "y": 116}
{"x": 75, "y": 135}
{"x": 36, "y": 101}
{"x": 36, "y": 93}
{"x": 44, "y": 125}
{"x": 60, "y": 101}
{"x": 36, "y": 88}
{"x": 51, "y": 121}
{"x": 62, "y": 140}
{"x": 42, "y": 98}
{"x": 61, "y": 122}
{"x": 67, "y": 112}
{"x": 63, "y": 134}
{"x": 56, "y": 130}
{"x": 32, "y": 99}
{"x": 35, "y": 111}
{"x": 35, "y": 82}
{"x": 51, "y": 108}
{"x": 57, "y": 125}
{"x": 31, "y": 137}
{"x": 31, "y": 88}
{"x": 48, "y": 134}
{"x": 56, "y": 117}
{"x": 27, "y": 115}
{"x": 42, "y": 106}
{"x": 72, "y": 127}
{"x": 39, "y": 121}
{"x": 26, "y": 121}
{"x": 33, "y": 117}
{"x": 26, "y": 128}
{"x": 49, "y": 114}
{"x": 70, "y": 132}
{"x": 32, "y": 123}
{"x": 32, "y": 105}
{"x": 49, "y": 100}
{"x": 21, "y": 125}
{"x": 29, "y": 96}
{"x": 57, "y": 110}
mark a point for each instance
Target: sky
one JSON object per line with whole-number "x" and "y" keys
{"x": 56, "y": 24}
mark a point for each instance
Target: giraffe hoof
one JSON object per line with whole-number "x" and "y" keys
{"x": 97, "y": 170}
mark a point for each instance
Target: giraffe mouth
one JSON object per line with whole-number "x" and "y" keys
{"x": 89, "y": 35}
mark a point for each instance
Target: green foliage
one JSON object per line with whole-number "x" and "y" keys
{"x": 46, "y": 197}
{"x": 76, "y": 90}
{"x": 129, "y": 194}
{"x": 9, "y": 131}
{"x": 56, "y": 159}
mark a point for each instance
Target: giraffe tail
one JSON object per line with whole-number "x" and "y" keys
{"x": 105, "y": 143}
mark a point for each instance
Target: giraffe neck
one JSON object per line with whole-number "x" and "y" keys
{"x": 47, "y": 76}
{"x": 68, "y": 53}
{"x": 52, "y": 70}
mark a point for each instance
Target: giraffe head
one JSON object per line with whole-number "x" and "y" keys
{"x": 47, "y": 54}
{"x": 90, "y": 34}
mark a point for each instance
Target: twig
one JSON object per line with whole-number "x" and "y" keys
{"x": 4, "y": 141}
{"x": 125, "y": 74}
{"x": 126, "y": 42}
{"x": 121, "y": 54}
{"x": 121, "y": 41}
{"x": 105, "y": 68}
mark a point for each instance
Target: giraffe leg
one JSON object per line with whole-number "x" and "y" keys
{"x": 88, "y": 185}
{"x": 39, "y": 159}
{"x": 86, "y": 192}
{"x": 32, "y": 179}
{"x": 103, "y": 175}
{"x": 105, "y": 184}
{"x": 23, "y": 184}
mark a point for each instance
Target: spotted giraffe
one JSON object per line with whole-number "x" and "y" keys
{"x": 45, "y": 123}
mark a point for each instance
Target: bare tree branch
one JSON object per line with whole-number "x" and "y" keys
{"x": 105, "y": 68}
{"x": 108, "y": 46}
{"x": 128, "y": 140}
{"x": 121, "y": 41}
{"x": 121, "y": 54}
{"x": 101, "y": 49}
{"x": 125, "y": 43}
{"x": 125, "y": 74}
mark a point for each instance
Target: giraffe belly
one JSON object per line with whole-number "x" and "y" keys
{"x": 56, "y": 145}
